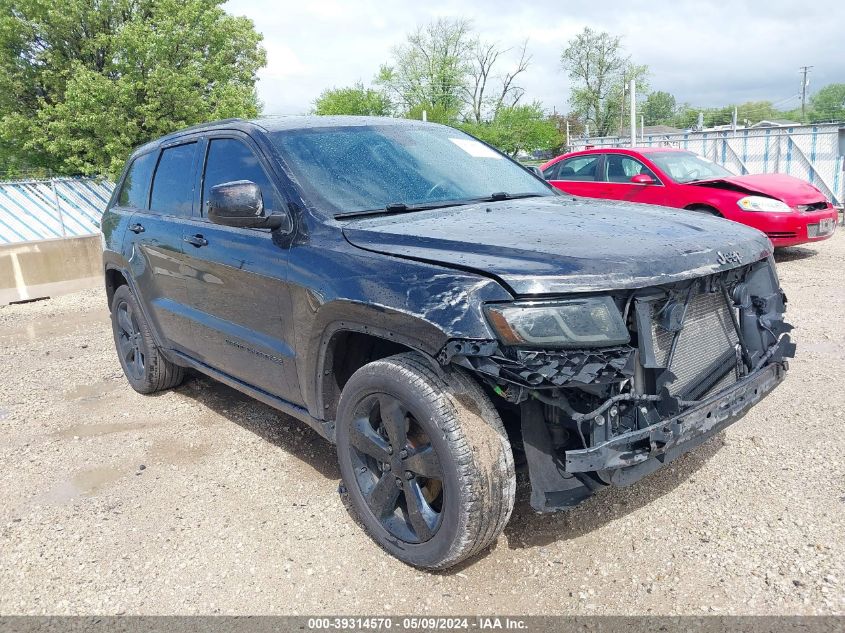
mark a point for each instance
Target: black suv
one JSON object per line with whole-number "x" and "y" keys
{"x": 439, "y": 312}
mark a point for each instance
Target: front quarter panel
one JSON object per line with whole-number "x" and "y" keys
{"x": 336, "y": 286}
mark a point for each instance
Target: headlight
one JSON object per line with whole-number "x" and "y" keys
{"x": 588, "y": 322}
{"x": 762, "y": 203}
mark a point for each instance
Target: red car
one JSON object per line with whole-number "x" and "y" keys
{"x": 789, "y": 210}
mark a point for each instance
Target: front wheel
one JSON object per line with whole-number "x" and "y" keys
{"x": 425, "y": 459}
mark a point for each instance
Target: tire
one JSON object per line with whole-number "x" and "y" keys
{"x": 455, "y": 487}
{"x": 705, "y": 210}
{"x": 143, "y": 364}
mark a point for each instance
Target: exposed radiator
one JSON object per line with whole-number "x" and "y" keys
{"x": 706, "y": 347}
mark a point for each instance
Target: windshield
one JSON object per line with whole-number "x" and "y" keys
{"x": 687, "y": 167}
{"x": 363, "y": 168}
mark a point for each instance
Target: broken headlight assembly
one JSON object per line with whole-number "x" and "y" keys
{"x": 572, "y": 323}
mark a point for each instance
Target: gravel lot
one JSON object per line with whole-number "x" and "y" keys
{"x": 201, "y": 500}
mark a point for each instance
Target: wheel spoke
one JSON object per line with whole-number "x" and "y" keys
{"x": 139, "y": 363}
{"x": 422, "y": 518}
{"x": 124, "y": 321}
{"x": 364, "y": 437}
{"x": 424, "y": 462}
{"x": 124, "y": 346}
{"x": 393, "y": 418}
{"x": 128, "y": 354}
{"x": 383, "y": 495}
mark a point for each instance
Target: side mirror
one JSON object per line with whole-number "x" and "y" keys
{"x": 241, "y": 204}
{"x": 537, "y": 171}
{"x": 642, "y": 179}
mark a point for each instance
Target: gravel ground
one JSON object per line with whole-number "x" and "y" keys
{"x": 201, "y": 500}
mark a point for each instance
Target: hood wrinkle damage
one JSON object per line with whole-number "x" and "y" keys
{"x": 540, "y": 246}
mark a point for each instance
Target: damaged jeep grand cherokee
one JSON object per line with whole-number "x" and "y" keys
{"x": 436, "y": 310}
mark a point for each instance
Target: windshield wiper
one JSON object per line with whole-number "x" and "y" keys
{"x": 401, "y": 207}
{"x": 504, "y": 195}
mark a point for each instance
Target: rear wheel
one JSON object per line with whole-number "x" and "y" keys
{"x": 143, "y": 364}
{"x": 425, "y": 459}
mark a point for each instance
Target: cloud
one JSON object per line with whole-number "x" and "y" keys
{"x": 705, "y": 52}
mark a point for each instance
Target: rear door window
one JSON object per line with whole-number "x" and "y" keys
{"x": 136, "y": 186}
{"x": 173, "y": 181}
{"x": 621, "y": 168}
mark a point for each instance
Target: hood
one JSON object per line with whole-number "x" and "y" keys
{"x": 790, "y": 190}
{"x": 552, "y": 245}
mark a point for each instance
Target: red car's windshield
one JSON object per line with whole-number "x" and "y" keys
{"x": 687, "y": 167}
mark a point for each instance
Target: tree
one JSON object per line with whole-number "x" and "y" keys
{"x": 444, "y": 70}
{"x": 430, "y": 69}
{"x": 517, "y": 128}
{"x": 82, "y": 84}
{"x": 828, "y": 104}
{"x": 356, "y": 100}
{"x": 600, "y": 71}
{"x": 659, "y": 107}
{"x": 480, "y": 103}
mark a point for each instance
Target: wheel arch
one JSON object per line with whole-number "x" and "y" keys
{"x": 703, "y": 206}
{"x": 117, "y": 273}
{"x": 346, "y": 346}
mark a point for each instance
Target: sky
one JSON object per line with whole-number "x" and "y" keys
{"x": 705, "y": 52}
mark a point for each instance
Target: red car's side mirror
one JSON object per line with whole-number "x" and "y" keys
{"x": 642, "y": 179}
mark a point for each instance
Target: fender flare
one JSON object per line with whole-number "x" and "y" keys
{"x": 319, "y": 363}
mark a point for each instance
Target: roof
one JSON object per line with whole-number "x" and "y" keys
{"x": 299, "y": 122}
{"x": 776, "y": 123}
{"x": 280, "y": 123}
{"x": 628, "y": 150}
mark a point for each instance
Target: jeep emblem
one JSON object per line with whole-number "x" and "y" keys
{"x": 733, "y": 257}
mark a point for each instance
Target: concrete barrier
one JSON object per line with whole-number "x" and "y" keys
{"x": 49, "y": 268}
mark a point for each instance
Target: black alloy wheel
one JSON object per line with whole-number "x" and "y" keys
{"x": 396, "y": 468}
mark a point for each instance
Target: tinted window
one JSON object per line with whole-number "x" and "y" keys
{"x": 622, "y": 168}
{"x": 363, "y": 167}
{"x": 228, "y": 160}
{"x": 173, "y": 182}
{"x": 136, "y": 185}
{"x": 578, "y": 168}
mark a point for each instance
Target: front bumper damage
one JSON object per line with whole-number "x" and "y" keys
{"x": 558, "y": 484}
{"x": 593, "y": 418}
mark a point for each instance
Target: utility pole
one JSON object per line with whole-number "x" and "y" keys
{"x": 633, "y": 112}
{"x": 622, "y": 110}
{"x": 804, "y": 71}
{"x": 567, "y": 135}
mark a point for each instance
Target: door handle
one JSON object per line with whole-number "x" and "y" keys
{"x": 136, "y": 228}
{"x": 197, "y": 240}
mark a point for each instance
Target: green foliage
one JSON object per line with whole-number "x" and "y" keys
{"x": 355, "y": 100}
{"x": 83, "y": 82}
{"x": 600, "y": 71}
{"x": 520, "y": 128}
{"x": 659, "y": 108}
{"x": 828, "y": 104}
{"x": 430, "y": 69}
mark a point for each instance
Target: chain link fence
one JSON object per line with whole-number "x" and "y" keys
{"x": 52, "y": 208}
